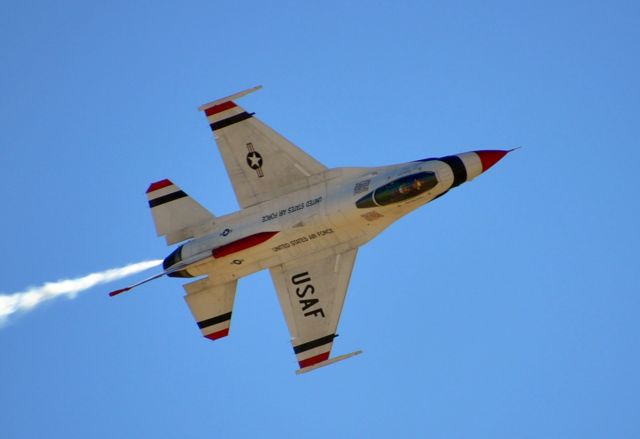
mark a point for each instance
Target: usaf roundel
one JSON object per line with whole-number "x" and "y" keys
{"x": 254, "y": 160}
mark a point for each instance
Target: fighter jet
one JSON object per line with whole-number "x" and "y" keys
{"x": 300, "y": 220}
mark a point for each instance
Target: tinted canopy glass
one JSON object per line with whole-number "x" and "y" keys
{"x": 399, "y": 190}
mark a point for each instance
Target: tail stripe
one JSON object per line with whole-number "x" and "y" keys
{"x": 230, "y": 120}
{"x": 159, "y": 185}
{"x": 314, "y": 343}
{"x": 219, "y": 108}
{"x": 167, "y": 198}
{"x": 214, "y": 320}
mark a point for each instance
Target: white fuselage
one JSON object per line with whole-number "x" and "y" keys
{"x": 319, "y": 220}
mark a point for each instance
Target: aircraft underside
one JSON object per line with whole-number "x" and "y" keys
{"x": 298, "y": 219}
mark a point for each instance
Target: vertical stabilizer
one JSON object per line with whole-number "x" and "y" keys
{"x": 176, "y": 215}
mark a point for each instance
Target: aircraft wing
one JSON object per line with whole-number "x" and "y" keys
{"x": 311, "y": 293}
{"x": 260, "y": 162}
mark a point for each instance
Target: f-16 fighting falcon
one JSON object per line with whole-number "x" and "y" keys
{"x": 298, "y": 219}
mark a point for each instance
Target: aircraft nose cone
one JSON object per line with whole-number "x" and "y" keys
{"x": 490, "y": 157}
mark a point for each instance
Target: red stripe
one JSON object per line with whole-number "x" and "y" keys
{"x": 242, "y": 244}
{"x": 313, "y": 360}
{"x": 219, "y": 108}
{"x": 217, "y": 335}
{"x": 159, "y": 185}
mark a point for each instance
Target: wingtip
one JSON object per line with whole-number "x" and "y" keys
{"x": 232, "y": 97}
{"x": 326, "y": 362}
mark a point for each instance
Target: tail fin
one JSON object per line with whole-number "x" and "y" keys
{"x": 176, "y": 215}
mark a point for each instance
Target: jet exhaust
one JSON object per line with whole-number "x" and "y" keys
{"x": 27, "y": 300}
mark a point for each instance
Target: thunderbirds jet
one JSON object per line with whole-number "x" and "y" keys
{"x": 300, "y": 220}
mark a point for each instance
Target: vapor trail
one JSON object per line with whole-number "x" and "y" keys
{"x": 32, "y": 297}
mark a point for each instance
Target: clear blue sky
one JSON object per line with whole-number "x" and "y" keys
{"x": 507, "y": 309}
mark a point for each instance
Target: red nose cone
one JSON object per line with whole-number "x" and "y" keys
{"x": 490, "y": 157}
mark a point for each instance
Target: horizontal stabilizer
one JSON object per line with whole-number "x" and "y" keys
{"x": 327, "y": 362}
{"x": 211, "y": 306}
{"x": 176, "y": 215}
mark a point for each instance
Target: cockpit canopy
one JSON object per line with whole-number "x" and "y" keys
{"x": 399, "y": 190}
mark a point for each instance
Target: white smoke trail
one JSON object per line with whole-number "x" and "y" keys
{"x": 32, "y": 297}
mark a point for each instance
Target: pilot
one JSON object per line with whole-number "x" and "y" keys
{"x": 407, "y": 189}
